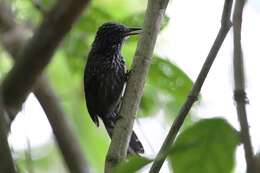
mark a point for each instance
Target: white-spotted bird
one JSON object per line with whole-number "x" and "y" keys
{"x": 105, "y": 76}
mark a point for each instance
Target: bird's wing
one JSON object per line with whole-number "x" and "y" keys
{"x": 89, "y": 87}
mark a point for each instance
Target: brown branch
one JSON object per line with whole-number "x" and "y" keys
{"x": 239, "y": 92}
{"x": 6, "y": 161}
{"x": 37, "y": 53}
{"x": 134, "y": 90}
{"x": 225, "y": 27}
{"x": 68, "y": 144}
{"x": 13, "y": 41}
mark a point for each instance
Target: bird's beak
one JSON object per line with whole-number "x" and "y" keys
{"x": 133, "y": 31}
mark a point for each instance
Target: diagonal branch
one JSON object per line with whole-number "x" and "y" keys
{"x": 225, "y": 27}
{"x": 13, "y": 40}
{"x": 37, "y": 53}
{"x": 239, "y": 92}
{"x": 134, "y": 90}
{"x": 66, "y": 140}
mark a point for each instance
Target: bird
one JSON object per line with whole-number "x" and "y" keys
{"x": 105, "y": 77}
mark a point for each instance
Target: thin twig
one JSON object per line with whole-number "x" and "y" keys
{"x": 134, "y": 90}
{"x": 193, "y": 95}
{"x": 239, "y": 92}
{"x": 13, "y": 40}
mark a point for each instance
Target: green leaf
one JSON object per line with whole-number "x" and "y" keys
{"x": 167, "y": 86}
{"x": 133, "y": 164}
{"x": 208, "y": 146}
{"x": 149, "y": 103}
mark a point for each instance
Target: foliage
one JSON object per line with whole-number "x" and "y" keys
{"x": 166, "y": 88}
{"x": 208, "y": 146}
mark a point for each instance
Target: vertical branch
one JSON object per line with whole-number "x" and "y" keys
{"x": 225, "y": 27}
{"x": 239, "y": 92}
{"x": 134, "y": 90}
{"x": 6, "y": 160}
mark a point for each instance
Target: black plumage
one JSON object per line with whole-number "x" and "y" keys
{"x": 105, "y": 76}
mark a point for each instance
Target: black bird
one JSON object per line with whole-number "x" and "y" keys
{"x": 105, "y": 76}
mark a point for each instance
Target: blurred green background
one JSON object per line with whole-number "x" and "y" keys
{"x": 166, "y": 89}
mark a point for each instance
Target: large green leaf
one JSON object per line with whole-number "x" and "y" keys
{"x": 168, "y": 85}
{"x": 206, "y": 147}
{"x": 132, "y": 165}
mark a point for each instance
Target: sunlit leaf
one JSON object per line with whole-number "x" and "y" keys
{"x": 208, "y": 146}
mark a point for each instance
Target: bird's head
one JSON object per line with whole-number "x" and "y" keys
{"x": 111, "y": 35}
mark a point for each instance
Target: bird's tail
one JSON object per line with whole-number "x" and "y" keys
{"x": 135, "y": 146}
